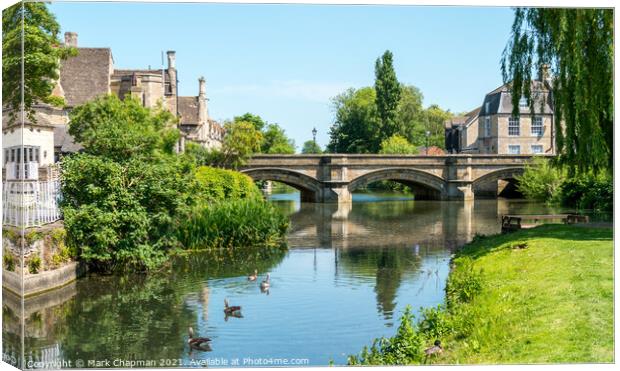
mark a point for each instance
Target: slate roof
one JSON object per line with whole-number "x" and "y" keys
{"x": 64, "y": 140}
{"x": 86, "y": 75}
{"x": 188, "y": 110}
{"x": 500, "y": 101}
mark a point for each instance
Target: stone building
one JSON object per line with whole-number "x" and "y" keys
{"x": 91, "y": 74}
{"x": 493, "y": 129}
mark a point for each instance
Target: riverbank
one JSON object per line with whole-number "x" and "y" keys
{"x": 542, "y": 295}
{"x": 547, "y": 297}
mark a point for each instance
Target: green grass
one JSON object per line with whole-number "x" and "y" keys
{"x": 551, "y": 302}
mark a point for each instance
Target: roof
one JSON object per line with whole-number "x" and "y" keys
{"x": 64, "y": 140}
{"x": 130, "y": 72}
{"x": 499, "y": 101}
{"x": 86, "y": 75}
{"x": 40, "y": 119}
{"x": 188, "y": 110}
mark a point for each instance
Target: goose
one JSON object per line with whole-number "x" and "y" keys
{"x": 196, "y": 342}
{"x": 234, "y": 310}
{"x": 264, "y": 285}
{"x": 254, "y": 276}
{"x": 434, "y": 350}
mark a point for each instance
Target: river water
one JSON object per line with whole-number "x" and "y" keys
{"x": 348, "y": 275}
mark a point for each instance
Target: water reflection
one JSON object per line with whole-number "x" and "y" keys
{"x": 350, "y": 271}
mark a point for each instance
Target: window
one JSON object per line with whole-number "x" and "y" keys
{"x": 523, "y": 102}
{"x": 537, "y": 149}
{"x": 537, "y": 126}
{"x": 513, "y": 126}
{"x": 487, "y": 126}
{"x": 486, "y": 108}
{"x": 514, "y": 150}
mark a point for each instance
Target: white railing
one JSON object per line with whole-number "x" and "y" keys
{"x": 30, "y": 203}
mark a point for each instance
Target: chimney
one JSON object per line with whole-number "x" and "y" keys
{"x": 202, "y": 100}
{"x": 171, "y": 59}
{"x": 71, "y": 39}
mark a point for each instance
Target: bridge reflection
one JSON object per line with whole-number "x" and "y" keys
{"x": 445, "y": 224}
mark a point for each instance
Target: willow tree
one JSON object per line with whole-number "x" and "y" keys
{"x": 576, "y": 45}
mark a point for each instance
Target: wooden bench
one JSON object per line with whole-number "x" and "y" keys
{"x": 515, "y": 222}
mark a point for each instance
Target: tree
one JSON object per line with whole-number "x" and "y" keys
{"x": 310, "y": 147}
{"x": 397, "y": 144}
{"x": 240, "y": 142}
{"x": 256, "y": 120}
{"x": 119, "y": 130}
{"x": 123, "y": 195}
{"x": 356, "y": 127}
{"x": 42, "y": 54}
{"x": 577, "y": 45}
{"x": 387, "y": 94}
{"x": 276, "y": 141}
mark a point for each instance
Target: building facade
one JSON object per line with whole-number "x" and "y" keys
{"x": 494, "y": 129}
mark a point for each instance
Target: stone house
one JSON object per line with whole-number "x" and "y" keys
{"x": 493, "y": 129}
{"x": 92, "y": 73}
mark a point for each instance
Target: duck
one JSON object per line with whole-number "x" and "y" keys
{"x": 264, "y": 285}
{"x": 229, "y": 310}
{"x": 196, "y": 342}
{"x": 254, "y": 276}
{"x": 436, "y": 349}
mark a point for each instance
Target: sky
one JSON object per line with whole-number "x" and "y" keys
{"x": 286, "y": 62}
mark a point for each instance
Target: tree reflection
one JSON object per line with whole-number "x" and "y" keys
{"x": 389, "y": 265}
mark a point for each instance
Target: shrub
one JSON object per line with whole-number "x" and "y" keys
{"x": 435, "y": 323}
{"x": 541, "y": 181}
{"x": 218, "y": 184}
{"x": 9, "y": 261}
{"x": 34, "y": 264}
{"x": 589, "y": 191}
{"x": 464, "y": 282}
{"x": 405, "y": 347}
{"x": 32, "y": 236}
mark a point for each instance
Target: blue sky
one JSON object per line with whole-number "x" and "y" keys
{"x": 285, "y": 62}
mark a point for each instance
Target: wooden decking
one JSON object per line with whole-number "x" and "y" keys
{"x": 515, "y": 222}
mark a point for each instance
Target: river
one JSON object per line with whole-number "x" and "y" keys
{"x": 348, "y": 274}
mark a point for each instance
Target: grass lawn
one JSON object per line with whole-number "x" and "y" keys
{"x": 551, "y": 302}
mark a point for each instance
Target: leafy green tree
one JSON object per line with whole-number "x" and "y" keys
{"x": 356, "y": 127}
{"x": 397, "y": 144}
{"x": 541, "y": 181}
{"x": 240, "y": 142}
{"x": 578, "y": 46}
{"x": 432, "y": 120}
{"x": 256, "y": 120}
{"x": 388, "y": 91}
{"x": 119, "y": 130}
{"x": 310, "y": 146}
{"x": 42, "y": 53}
{"x": 276, "y": 141}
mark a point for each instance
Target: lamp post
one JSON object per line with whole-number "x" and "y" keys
{"x": 428, "y": 133}
{"x": 314, "y": 135}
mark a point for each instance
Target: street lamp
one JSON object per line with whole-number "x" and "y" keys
{"x": 314, "y": 135}
{"x": 428, "y": 133}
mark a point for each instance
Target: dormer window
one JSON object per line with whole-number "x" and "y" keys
{"x": 523, "y": 102}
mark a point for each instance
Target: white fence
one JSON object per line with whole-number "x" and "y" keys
{"x": 30, "y": 203}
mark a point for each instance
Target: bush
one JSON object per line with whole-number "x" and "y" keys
{"x": 406, "y": 347}
{"x": 9, "y": 261}
{"x": 464, "y": 282}
{"x": 435, "y": 323}
{"x": 232, "y": 224}
{"x": 397, "y": 144}
{"x": 589, "y": 192}
{"x": 541, "y": 181}
{"x": 219, "y": 184}
{"x": 34, "y": 264}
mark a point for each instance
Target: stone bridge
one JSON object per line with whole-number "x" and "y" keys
{"x": 334, "y": 177}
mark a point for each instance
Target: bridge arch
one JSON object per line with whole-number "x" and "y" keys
{"x": 425, "y": 185}
{"x": 498, "y": 182}
{"x": 309, "y": 187}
